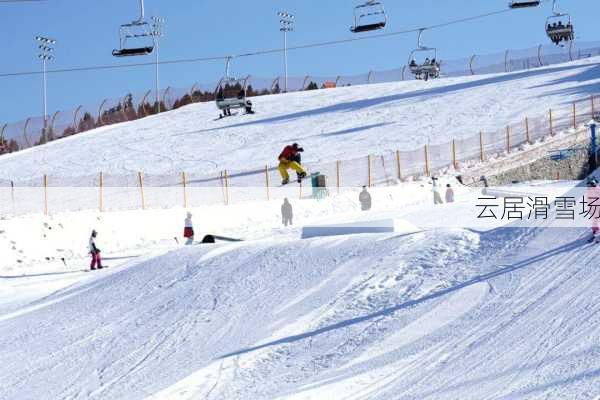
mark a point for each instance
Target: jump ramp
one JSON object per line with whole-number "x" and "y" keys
{"x": 352, "y": 228}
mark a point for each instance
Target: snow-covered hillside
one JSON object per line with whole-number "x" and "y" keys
{"x": 436, "y": 314}
{"x": 338, "y": 124}
{"x": 432, "y": 311}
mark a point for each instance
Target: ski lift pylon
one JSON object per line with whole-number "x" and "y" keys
{"x": 369, "y": 16}
{"x": 139, "y": 31}
{"x": 429, "y": 67}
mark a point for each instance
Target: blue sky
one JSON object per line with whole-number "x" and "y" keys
{"x": 87, "y": 33}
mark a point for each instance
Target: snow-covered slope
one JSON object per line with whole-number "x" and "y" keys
{"x": 342, "y": 123}
{"x": 443, "y": 314}
{"x": 418, "y": 314}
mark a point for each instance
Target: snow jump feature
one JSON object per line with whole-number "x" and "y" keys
{"x": 353, "y": 228}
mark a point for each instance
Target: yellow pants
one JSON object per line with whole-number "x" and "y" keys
{"x": 284, "y": 165}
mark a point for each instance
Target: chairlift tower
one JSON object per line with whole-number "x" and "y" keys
{"x": 45, "y": 47}
{"x": 287, "y": 24}
{"x": 157, "y": 33}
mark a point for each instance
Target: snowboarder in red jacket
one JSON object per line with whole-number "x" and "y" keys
{"x": 288, "y": 159}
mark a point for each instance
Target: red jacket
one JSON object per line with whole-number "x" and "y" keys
{"x": 593, "y": 196}
{"x": 288, "y": 153}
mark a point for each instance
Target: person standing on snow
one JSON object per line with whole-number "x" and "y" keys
{"x": 593, "y": 199}
{"x": 188, "y": 230}
{"x": 286, "y": 161}
{"x": 365, "y": 199}
{"x": 287, "y": 213}
{"x": 95, "y": 252}
{"x": 437, "y": 196}
{"x": 449, "y": 194}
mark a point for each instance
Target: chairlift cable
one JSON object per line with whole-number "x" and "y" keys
{"x": 261, "y": 52}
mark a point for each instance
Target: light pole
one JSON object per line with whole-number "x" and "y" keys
{"x": 157, "y": 33}
{"x": 45, "y": 48}
{"x": 286, "y": 25}
{"x": 594, "y": 147}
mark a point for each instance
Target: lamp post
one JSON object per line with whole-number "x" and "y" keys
{"x": 286, "y": 25}
{"x": 593, "y": 147}
{"x": 157, "y": 33}
{"x": 45, "y": 48}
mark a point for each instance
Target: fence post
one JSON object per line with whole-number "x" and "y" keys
{"x": 454, "y": 163}
{"x": 267, "y": 183}
{"x": 527, "y": 130}
{"x": 101, "y": 184}
{"x": 471, "y": 64}
{"x": 12, "y": 196}
{"x": 593, "y": 108}
{"x": 141, "y": 183}
{"x": 427, "y": 160}
{"x": 45, "y": 195}
{"x": 551, "y": 124}
{"x": 337, "y": 173}
{"x": 398, "y": 164}
{"x": 574, "y": 116}
{"x": 226, "y": 188}
{"x": 27, "y": 121}
{"x": 481, "y": 147}
{"x": 184, "y": 183}
{"x": 369, "y": 169}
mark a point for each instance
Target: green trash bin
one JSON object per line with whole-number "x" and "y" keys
{"x": 319, "y": 185}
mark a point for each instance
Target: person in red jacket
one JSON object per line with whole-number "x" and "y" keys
{"x": 593, "y": 197}
{"x": 188, "y": 229}
{"x": 287, "y": 160}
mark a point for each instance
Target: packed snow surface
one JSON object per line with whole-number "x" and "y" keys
{"x": 335, "y": 124}
{"x": 420, "y": 314}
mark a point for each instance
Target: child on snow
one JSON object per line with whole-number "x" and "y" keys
{"x": 449, "y": 194}
{"x": 94, "y": 252}
{"x": 188, "y": 230}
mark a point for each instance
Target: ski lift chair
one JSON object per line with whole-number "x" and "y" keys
{"x": 523, "y": 4}
{"x": 139, "y": 31}
{"x": 230, "y": 93}
{"x": 559, "y": 31}
{"x": 430, "y": 67}
{"x": 370, "y": 16}
{"x": 559, "y": 27}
